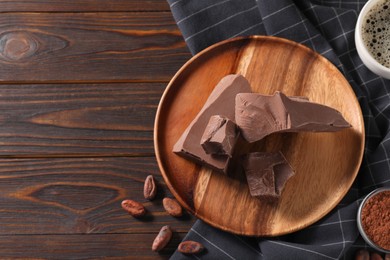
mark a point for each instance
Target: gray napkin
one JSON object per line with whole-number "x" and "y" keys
{"x": 326, "y": 26}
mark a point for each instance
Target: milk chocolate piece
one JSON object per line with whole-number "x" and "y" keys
{"x": 218, "y": 103}
{"x": 267, "y": 174}
{"x": 260, "y": 115}
{"x": 220, "y": 136}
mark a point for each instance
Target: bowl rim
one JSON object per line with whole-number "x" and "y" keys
{"x": 359, "y": 219}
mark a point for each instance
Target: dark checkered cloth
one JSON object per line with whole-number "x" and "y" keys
{"x": 326, "y": 26}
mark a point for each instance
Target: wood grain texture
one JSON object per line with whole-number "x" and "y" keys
{"x": 324, "y": 169}
{"x": 83, "y": 5}
{"x": 93, "y": 47}
{"x": 77, "y": 119}
{"x": 92, "y": 246}
{"x": 79, "y": 86}
{"x": 81, "y": 196}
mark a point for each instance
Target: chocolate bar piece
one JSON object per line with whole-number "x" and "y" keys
{"x": 267, "y": 174}
{"x": 260, "y": 115}
{"x": 220, "y": 136}
{"x": 218, "y": 103}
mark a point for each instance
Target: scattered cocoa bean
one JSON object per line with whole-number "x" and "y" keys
{"x": 362, "y": 255}
{"x": 375, "y": 256}
{"x": 134, "y": 208}
{"x": 172, "y": 207}
{"x": 162, "y": 239}
{"x": 387, "y": 257}
{"x": 190, "y": 247}
{"x": 150, "y": 188}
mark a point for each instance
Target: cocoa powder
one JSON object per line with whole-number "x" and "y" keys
{"x": 376, "y": 219}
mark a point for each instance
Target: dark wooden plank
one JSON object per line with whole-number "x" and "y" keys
{"x": 117, "y": 246}
{"x": 78, "y": 119}
{"x": 80, "y": 196}
{"x": 82, "y": 5}
{"x": 93, "y": 47}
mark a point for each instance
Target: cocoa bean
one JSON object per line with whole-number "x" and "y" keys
{"x": 150, "y": 188}
{"x": 190, "y": 247}
{"x": 387, "y": 257}
{"x": 172, "y": 207}
{"x": 162, "y": 239}
{"x": 362, "y": 255}
{"x": 375, "y": 256}
{"x": 134, "y": 208}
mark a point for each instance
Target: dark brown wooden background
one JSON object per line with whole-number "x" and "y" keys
{"x": 80, "y": 82}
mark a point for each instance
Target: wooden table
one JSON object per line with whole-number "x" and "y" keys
{"x": 80, "y": 85}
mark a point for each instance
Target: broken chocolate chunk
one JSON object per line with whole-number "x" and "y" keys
{"x": 218, "y": 103}
{"x": 259, "y": 115}
{"x": 267, "y": 174}
{"x": 220, "y": 136}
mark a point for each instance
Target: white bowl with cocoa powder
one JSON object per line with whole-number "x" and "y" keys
{"x": 373, "y": 219}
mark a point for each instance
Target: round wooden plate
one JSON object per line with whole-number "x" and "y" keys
{"x": 325, "y": 164}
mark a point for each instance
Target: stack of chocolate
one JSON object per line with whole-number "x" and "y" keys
{"x": 212, "y": 136}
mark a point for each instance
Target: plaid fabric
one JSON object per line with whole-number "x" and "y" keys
{"x": 326, "y": 26}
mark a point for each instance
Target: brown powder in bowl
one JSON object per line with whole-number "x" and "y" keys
{"x": 376, "y": 219}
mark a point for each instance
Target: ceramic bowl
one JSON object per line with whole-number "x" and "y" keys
{"x": 361, "y": 48}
